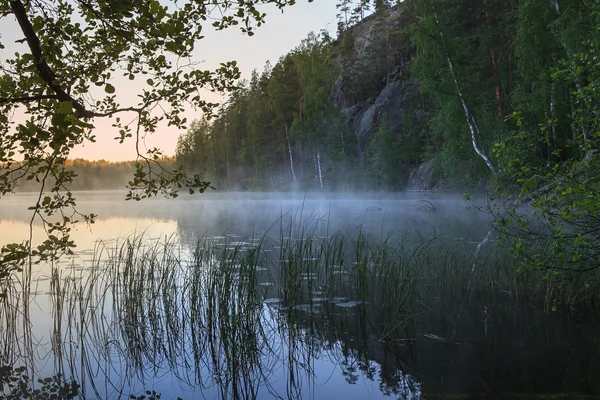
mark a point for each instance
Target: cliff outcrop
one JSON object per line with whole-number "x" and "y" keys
{"x": 375, "y": 82}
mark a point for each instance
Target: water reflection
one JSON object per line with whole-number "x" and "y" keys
{"x": 221, "y": 302}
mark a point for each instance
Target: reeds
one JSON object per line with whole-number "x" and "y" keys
{"x": 228, "y": 314}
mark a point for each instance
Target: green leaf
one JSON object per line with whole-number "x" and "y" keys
{"x": 64, "y": 107}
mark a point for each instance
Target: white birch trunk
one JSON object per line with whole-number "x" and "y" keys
{"x": 320, "y": 170}
{"x": 475, "y": 258}
{"x": 469, "y": 118}
{"x": 287, "y": 136}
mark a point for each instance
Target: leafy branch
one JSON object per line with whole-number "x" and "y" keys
{"x": 67, "y": 76}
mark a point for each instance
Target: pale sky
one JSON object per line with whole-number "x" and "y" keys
{"x": 281, "y": 33}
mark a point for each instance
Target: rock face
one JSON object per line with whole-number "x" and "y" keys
{"x": 422, "y": 177}
{"x": 366, "y": 42}
{"x": 389, "y": 103}
{"x": 374, "y": 82}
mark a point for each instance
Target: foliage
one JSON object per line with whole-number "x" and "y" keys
{"x": 16, "y": 384}
{"x": 67, "y": 72}
{"x": 563, "y": 232}
{"x": 524, "y": 75}
{"x": 470, "y": 36}
{"x": 276, "y": 128}
{"x": 288, "y": 127}
{"x": 12, "y": 259}
{"x": 513, "y": 84}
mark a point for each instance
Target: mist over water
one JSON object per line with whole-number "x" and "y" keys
{"x": 257, "y": 214}
{"x": 272, "y": 295}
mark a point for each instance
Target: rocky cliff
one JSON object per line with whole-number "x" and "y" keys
{"x": 375, "y": 82}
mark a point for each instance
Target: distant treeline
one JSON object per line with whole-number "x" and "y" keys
{"x": 95, "y": 175}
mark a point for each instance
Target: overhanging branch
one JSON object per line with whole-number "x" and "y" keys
{"x": 42, "y": 67}
{"x": 27, "y": 99}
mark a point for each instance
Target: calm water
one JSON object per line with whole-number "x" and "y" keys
{"x": 327, "y": 337}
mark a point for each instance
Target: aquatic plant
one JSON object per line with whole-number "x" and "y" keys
{"x": 236, "y": 316}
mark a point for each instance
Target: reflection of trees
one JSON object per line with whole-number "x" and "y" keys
{"x": 450, "y": 353}
{"x": 252, "y": 321}
{"x": 352, "y": 340}
{"x": 498, "y": 347}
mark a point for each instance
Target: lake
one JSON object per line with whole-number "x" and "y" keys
{"x": 256, "y": 295}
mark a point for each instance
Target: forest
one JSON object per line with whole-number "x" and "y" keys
{"x": 493, "y": 97}
{"x": 96, "y": 175}
{"x": 260, "y": 295}
{"x": 484, "y": 93}
{"x": 498, "y": 98}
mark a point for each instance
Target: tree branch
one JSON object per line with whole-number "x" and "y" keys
{"x": 44, "y": 70}
{"x": 26, "y": 99}
{"x": 582, "y": 168}
{"x": 118, "y": 110}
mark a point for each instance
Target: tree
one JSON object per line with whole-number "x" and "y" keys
{"x": 64, "y": 76}
{"x": 316, "y": 119}
{"x": 194, "y": 148}
{"x": 555, "y": 221}
{"x": 344, "y": 16}
{"x": 259, "y": 152}
{"x": 459, "y": 46}
{"x": 284, "y": 99}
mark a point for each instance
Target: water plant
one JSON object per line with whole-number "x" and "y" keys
{"x": 251, "y": 317}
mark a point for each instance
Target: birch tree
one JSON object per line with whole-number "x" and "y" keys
{"x": 284, "y": 99}
{"x": 470, "y": 119}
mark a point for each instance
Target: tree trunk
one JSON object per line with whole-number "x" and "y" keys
{"x": 287, "y": 136}
{"x": 468, "y": 116}
{"x": 494, "y": 63}
{"x": 320, "y": 170}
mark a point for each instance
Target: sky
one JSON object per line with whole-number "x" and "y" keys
{"x": 281, "y": 33}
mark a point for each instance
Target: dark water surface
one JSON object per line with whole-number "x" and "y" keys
{"x": 292, "y": 296}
